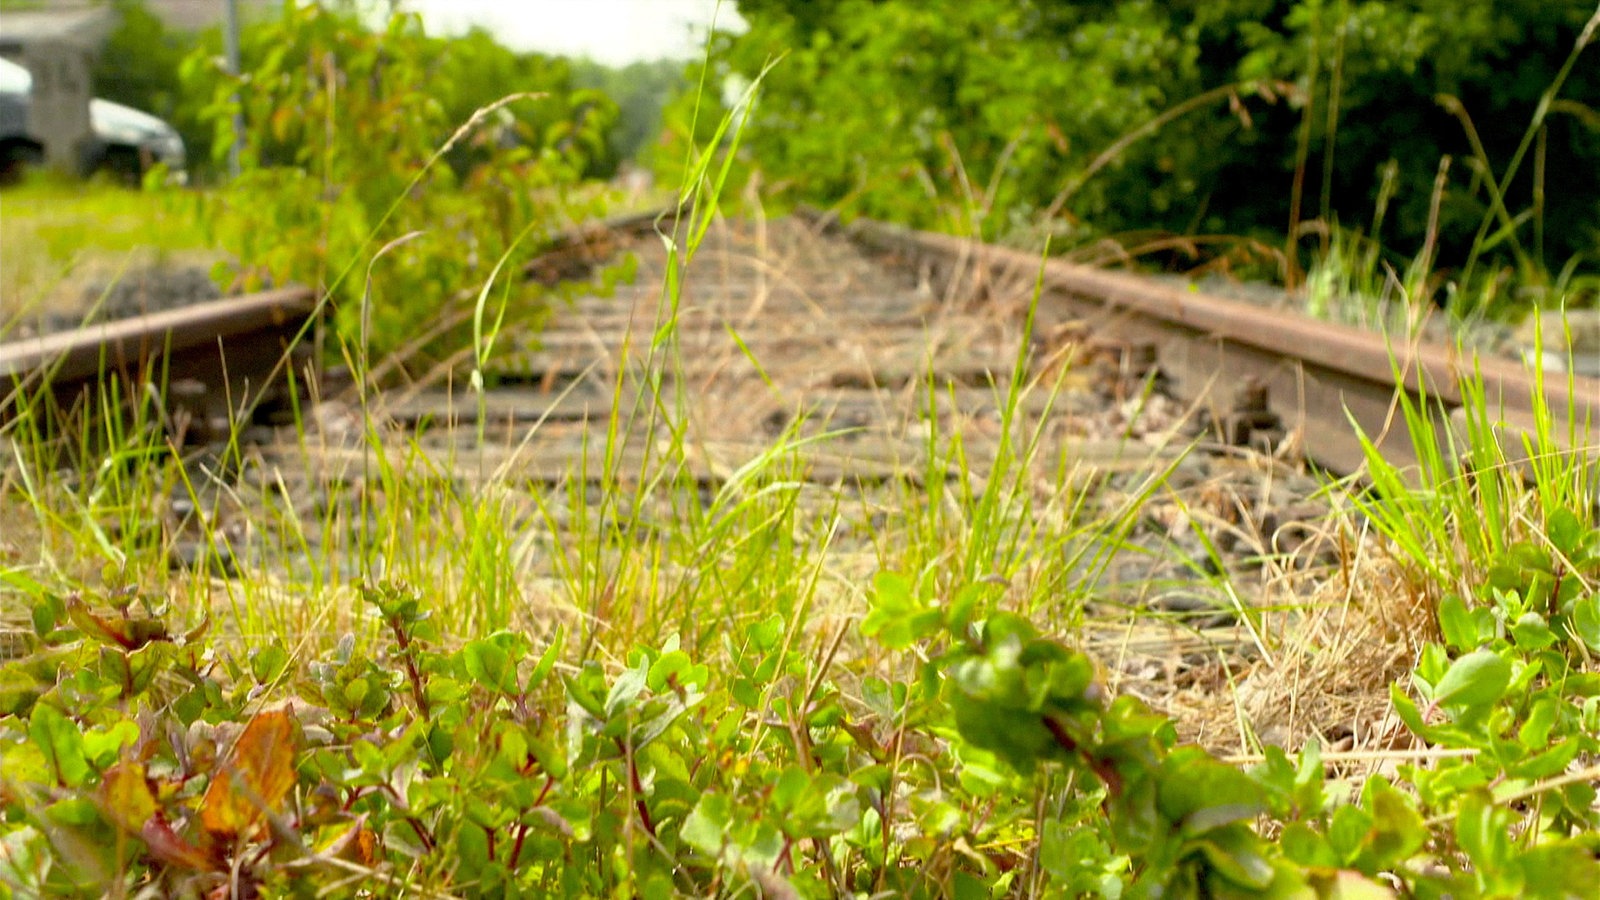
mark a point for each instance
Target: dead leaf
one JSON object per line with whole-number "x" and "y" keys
{"x": 254, "y": 780}
{"x": 125, "y": 797}
{"x": 357, "y": 844}
{"x": 167, "y": 846}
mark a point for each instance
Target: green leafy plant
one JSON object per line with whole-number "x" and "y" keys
{"x": 340, "y": 156}
{"x": 1093, "y": 120}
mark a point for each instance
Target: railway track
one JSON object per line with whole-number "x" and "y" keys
{"x": 1247, "y": 363}
{"x": 214, "y": 363}
{"x": 848, "y": 345}
{"x": 218, "y": 367}
{"x": 863, "y": 368}
{"x": 877, "y": 337}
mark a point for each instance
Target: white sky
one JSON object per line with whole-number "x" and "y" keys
{"x": 609, "y": 31}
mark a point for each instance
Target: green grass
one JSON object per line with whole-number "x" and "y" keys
{"x": 627, "y": 684}
{"x": 59, "y": 236}
{"x": 434, "y": 681}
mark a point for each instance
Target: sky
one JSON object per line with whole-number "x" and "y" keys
{"x": 609, "y": 31}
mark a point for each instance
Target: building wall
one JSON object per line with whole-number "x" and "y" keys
{"x": 193, "y": 15}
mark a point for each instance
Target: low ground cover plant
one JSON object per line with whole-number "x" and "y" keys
{"x": 397, "y": 716}
{"x": 138, "y": 757}
{"x": 936, "y": 742}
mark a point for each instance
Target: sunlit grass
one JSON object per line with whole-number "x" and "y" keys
{"x": 60, "y": 236}
{"x": 631, "y": 561}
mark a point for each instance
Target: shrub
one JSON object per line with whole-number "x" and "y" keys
{"x": 357, "y": 140}
{"x": 1270, "y": 113}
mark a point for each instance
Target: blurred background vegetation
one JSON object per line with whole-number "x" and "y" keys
{"x": 1271, "y": 117}
{"x": 1448, "y": 147}
{"x": 356, "y": 138}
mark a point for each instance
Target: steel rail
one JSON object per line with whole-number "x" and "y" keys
{"x": 87, "y": 351}
{"x": 226, "y": 358}
{"x": 214, "y": 363}
{"x": 1318, "y": 377}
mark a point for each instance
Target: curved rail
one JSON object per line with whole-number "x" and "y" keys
{"x": 1244, "y": 360}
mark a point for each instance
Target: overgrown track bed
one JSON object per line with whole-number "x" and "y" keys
{"x": 1140, "y": 458}
{"x": 878, "y": 397}
{"x": 214, "y": 363}
{"x": 218, "y": 364}
{"x": 1245, "y": 362}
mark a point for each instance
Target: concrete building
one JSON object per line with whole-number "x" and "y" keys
{"x": 56, "y": 44}
{"x": 193, "y": 15}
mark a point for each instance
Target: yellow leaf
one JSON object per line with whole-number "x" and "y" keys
{"x": 254, "y": 780}
{"x": 125, "y": 797}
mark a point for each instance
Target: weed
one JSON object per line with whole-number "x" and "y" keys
{"x": 690, "y": 700}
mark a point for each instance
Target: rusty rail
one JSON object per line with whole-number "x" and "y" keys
{"x": 226, "y": 360}
{"x": 1246, "y": 365}
{"x": 216, "y": 360}
{"x": 1317, "y": 376}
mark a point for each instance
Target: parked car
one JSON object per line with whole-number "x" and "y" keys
{"x": 123, "y": 140}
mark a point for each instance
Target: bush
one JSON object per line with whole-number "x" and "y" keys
{"x": 345, "y": 153}
{"x": 1278, "y": 109}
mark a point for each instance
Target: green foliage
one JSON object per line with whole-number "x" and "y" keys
{"x": 961, "y": 751}
{"x": 136, "y": 757}
{"x": 641, "y": 91}
{"x": 1239, "y": 117}
{"x": 343, "y": 156}
{"x": 1486, "y": 497}
{"x": 1182, "y": 823}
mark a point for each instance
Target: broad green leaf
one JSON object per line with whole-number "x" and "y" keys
{"x": 1483, "y": 831}
{"x": 1558, "y": 870}
{"x": 1531, "y": 632}
{"x": 1347, "y": 832}
{"x": 1235, "y": 853}
{"x": 1457, "y": 625}
{"x": 1306, "y": 847}
{"x": 102, "y": 746}
{"x": 1199, "y": 794}
{"x": 75, "y": 812}
{"x": 1585, "y": 621}
{"x": 1541, "y": 717}
{"x": 268, "y": 662}
{"x": 1567, "y": 532}
{"x": 1477, "y": 679}
{"x": 790, "y": 788}
{"x": 61, "y": 742}
{"x": 471, "y": 850}
{"x": 1398, "y": 830}
{"x": 706, "y": 828}
{"x": 490, "y": 665}
{"x": 766, "y": 633}
{"x": 627, "y": 688}
{"x": 675, "y": 670}
{"x": 1546, "y": 763}
{"x": 964, "y": 605}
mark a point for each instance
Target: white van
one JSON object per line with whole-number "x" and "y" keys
{"x": 125, "y": 141}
